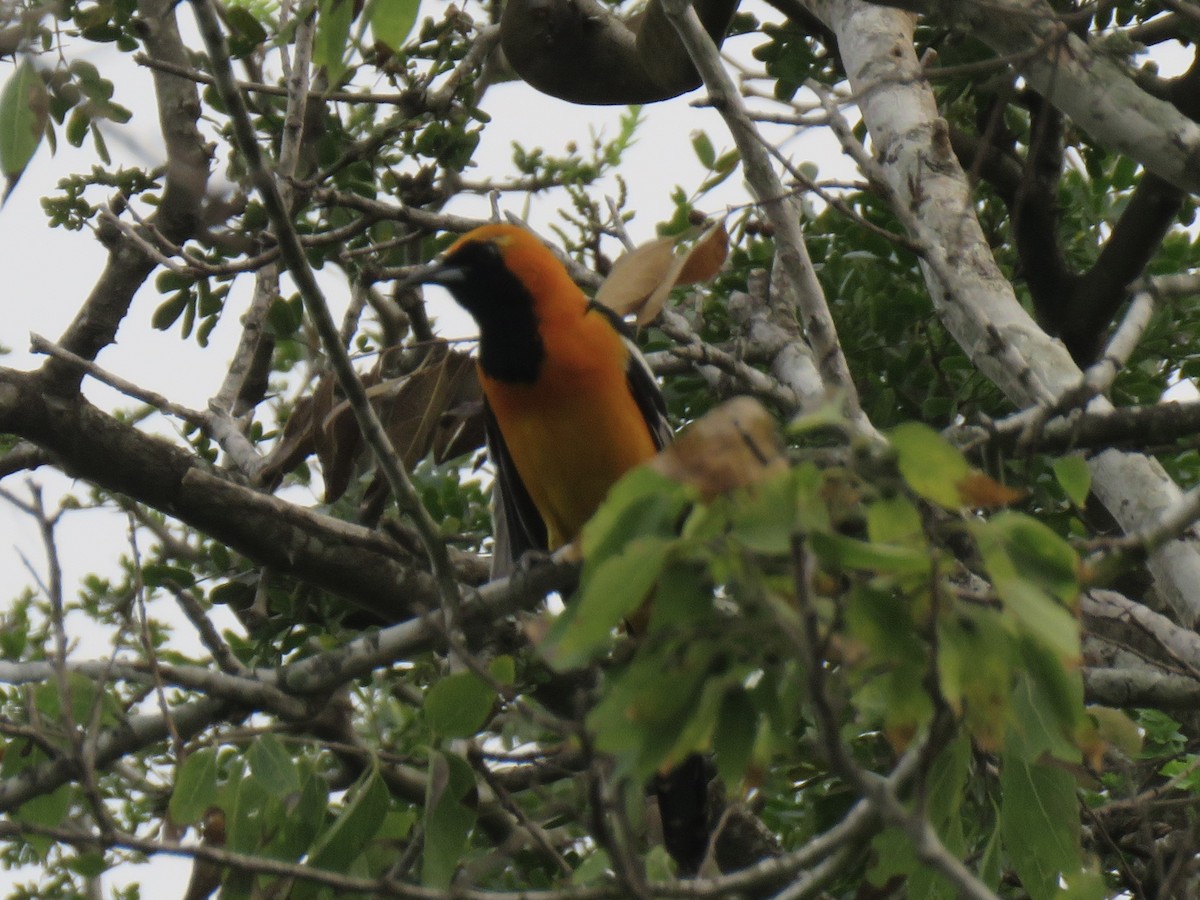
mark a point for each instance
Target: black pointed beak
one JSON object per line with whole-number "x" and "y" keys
{"x": 437, "y": 272}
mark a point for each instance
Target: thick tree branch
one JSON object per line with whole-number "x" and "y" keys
{"x": 353, "y": 562}
{"x": 974, "y": 300}
{"x": 1090, "y": 87}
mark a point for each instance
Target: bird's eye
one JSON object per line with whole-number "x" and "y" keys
{"x": 491, "y": 252}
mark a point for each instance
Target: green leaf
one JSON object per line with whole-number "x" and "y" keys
{"x": 609, "y": 594}
{"x": 895, "y": 520}
{"x": 242, "y": 23}
{"x": 593, "y": 869}
{"x": 347, "y": 838}
{"x": 683, "y": 596}
{"x": 704, "y": 150}
{"x": 1057, "y": 690}
{"x": 77, "y": 126}
{"x": 47, "y": 811}
{"x": 458, "y": 705}
{"x": 976, "y": 661}
{"x": 333, "y": 34}
{"x": 643, "y": 502}
{"x": 733, "y": 737}
{"x": 195, "y": 787}
{"x": 930, "y": 464}
{"x": 847, "y": 553}
{"x": 504, "y": 669}
{"x": 448, "y": 819}
{"x": 1086, "y": 884}
{"x": 1035, "y": 572}
{"x": 883, "y": 623}
{"x": 159, "y": 574}
{"x": 1039, "y": 819}
{"x": 24, "y": 108}
{"x": 170, "y": 310}
{"x": 285, "y": 317}
{"x": 305, "y": 814}
{"x": 89, "y": 865}
{"x": 1038, "y": 554}
{"x": 273, "y": 766}
{"x": 1075, "y": 477}
{"x": 764, "y": 517}
{"x": 393, "y": 20}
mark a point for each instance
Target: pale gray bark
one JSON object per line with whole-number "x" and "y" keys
{"x": 932, "y": 197}
{"x": 1091, "y": 87}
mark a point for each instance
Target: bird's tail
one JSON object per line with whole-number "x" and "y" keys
{"x": 683, "y": 806}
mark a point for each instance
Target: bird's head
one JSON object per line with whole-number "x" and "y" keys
{"x": 495, "y": 269}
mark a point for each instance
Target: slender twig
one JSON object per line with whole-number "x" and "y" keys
{"x": 294, "y": 257}
{"x": 402, "y": 99}
{"x": 1094, "y": 381}
{"x": 779, "y": 205}
{"x": 216, "y": 645}
{"x": 232, "y": 441}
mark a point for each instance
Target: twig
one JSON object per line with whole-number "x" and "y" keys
{"x": 221, "y": 652}
{"x": 232, "y": 441}
{"x": 689, "y": 346}
{"x": 1094, "y": 381}
{"x": 314, "y": 302}
{"x": 779, "y": 206}
{"x": 403, "y": 98}
{"x": 38, "y": 344}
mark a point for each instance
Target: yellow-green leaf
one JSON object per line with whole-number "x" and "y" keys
{"x": 333, "y": 33}
{"x": 392, "y": 20}
{"x": 1075, "y": 477}
{"x": 930, "y": 464}
{"x": 24, "y": 107}
{"x": 458, "y": 705}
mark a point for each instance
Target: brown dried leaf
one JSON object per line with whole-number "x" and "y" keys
{"x": 415, "y": 416}
{"x": 706, "y": 257}
{"x": 411, "y": 408}
{"x": 295, "y": 445}
{"x": 337, "y": 438}
{"x": 437, "y": 407}
{"x": 641, "y": 280}
{"x": 636, "y": 275}
{"x": 460, "y": 428}
{"x": 978, "y": 491}
{"x": 460, "y": 431}
{"x": 735, "y": 445}
{"x": 656, "y": 301}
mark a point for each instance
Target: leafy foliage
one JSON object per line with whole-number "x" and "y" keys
{"x": 860, "y": 621}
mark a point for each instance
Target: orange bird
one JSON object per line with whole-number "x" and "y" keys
{"x": 570, "y": 407}
{"x": 571, "y": 404}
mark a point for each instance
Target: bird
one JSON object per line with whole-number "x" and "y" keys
{"x": 570, "y": 407}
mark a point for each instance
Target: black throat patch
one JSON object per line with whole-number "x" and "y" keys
{"x": 510, "y": 347}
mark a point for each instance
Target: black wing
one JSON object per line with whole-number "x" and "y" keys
{"x": 642, "y": 383}
{"x": 518, "y": 526}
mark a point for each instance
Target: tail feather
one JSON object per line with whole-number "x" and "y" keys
{"x": 683, "y": 806}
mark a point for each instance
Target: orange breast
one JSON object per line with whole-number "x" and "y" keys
{"x": 577, "y": 430}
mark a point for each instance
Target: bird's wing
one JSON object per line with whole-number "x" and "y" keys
{"x": 642, "y": 383}
{"x": 518, "y": 526}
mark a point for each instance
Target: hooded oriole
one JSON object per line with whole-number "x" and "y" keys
{"x": 571, "y": 407}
